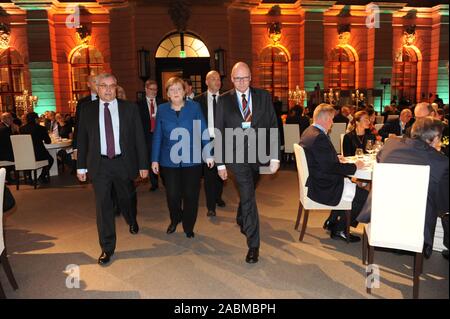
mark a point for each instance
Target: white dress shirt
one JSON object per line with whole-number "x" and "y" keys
{"x": 149, "y": 103}
{"x": 114, "y": 110}
{"x": 211, "y": 112}
{"x": 247, "y": 97}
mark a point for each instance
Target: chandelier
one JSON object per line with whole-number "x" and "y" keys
{"x": 298, "y": 96}
{"x": 25, "y": 103}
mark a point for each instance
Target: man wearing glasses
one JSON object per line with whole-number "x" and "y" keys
{"x": 248, "y": 110}
{"x": 112, "y": 149}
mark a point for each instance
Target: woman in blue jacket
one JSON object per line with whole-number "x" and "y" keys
{"x": 179, "y": 137}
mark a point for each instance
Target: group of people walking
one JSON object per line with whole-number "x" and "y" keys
{"x": 116, "y": 141}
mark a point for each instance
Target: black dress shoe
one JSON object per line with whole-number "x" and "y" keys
{"x": 328, "y": 225}
{"x": 134, "y": 229}
{"x": 104, "y": 258}
{"x": 252, "y": 255}
{"x": 445, "y": 254}
{"x": 427, "y": 250}
{"x": 211, "y": 213}
{"x": 220, "y": 203}
{"x": 190, "y": 234}
{"x": 172, "y": 228}
{"x": 343, "y": 236}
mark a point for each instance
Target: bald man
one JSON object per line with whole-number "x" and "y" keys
{"x": 422, "y": 109}
{"x": 397, "y": 127}
{"x": 248, "y": 110}
{"x": 208, "y": 101}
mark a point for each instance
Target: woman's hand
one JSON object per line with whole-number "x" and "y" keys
{"x": 155, "y": 167}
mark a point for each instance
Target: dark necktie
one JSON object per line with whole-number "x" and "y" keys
{"x": 109, "y": 133}
{"x": 246, "y": 109}
{"x": 214, "y": 101}
{"x": 152, "y": 119}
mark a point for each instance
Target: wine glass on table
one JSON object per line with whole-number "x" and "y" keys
{"x": 369, "y": 146}
{"x": 359, "y": 153}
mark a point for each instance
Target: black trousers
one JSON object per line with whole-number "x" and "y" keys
{"x": 213, "y": 186}
{"x": 112, "y": 173}
{"x": 338, "y": 216}
{"x": 182, "y": 191}
{"x": 247, "y": 177}
{"x": 152, "y": 176}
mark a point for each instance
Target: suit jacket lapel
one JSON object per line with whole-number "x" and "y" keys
{"x": 121, "y": 109}
{"x": 96, "y": 124}
{"x": 235, "y": 109}
{"x": 256, "y": 105}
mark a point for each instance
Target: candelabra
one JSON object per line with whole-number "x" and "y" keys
{"x": 73, "y": 105}
{"x": 25, "y": 103}
{"x": 298, "y": 96}
{"x": 331, "y": 97}
{"x": 357, "y": 98}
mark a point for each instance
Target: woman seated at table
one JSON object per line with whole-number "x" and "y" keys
{"x": 64, "y": 129}
{"x": 359, "y": 136}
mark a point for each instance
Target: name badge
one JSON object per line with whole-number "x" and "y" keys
{"x": 246, "y": 125}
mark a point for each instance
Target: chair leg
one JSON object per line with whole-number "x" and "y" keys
{"x": 418, "y": 262}
{"x": 7, "y": 267}
{"x": 2, "y": 293}
{"x": 17, "y": 176}
{"x": 299, "y": 215}
{"x": 305, "y": 222}
{"x": 348, "y": 217}
{"x": 370, "y": 262}
{"x": 364, "y": 248}
{"x": 35, "y": 178}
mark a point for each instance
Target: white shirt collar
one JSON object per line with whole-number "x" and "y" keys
{"x": 247, "y": 93}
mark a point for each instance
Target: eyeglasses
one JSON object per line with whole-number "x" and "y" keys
{"x": 106, "y": 86}
{"x": 241, "y": 79}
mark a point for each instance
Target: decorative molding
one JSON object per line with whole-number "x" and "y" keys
{"x": 5, "y": 35}
{"x": 180, "y": 12}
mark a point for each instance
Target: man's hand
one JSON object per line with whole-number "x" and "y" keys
{"x": 359, "y": 164}
{"x": 342, "y": 159}
{"x": 210, "y": 162}
{"x": 155, "y": 167}
{"x": 81, "y": 177}
{"x": 143, "y": 173}
{"x": 75, "y": 154}
{"x": 223, "y": 173}
{"x": 274, "y": 166}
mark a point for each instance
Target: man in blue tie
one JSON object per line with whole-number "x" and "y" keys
{"x": 112, "y": 150}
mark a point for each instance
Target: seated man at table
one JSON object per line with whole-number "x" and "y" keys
{"x": 423, "y": 148}
{"x": 398, "y": 126}
{"x": 39, "y": 135}
{"x": 328, "y": 183}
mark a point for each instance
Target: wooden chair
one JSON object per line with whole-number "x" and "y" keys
{"x": 305, "y": 203}
{"x": 24, "y": 157}
{"x": 3, "y": 255}
{"x": 397, "y": 218}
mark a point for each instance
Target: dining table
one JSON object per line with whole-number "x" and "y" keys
{"x": 364, "y": 173}
{"x": 53, "y": 148}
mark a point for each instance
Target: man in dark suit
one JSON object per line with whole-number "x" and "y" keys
{"x": 327, "y": 182}
{"x": 208, "y": 102}
{"x": 249, "y": 111}
{"x": 398, "y": 126}
{"x": 342, "y": 115}
{"x": 7, "y": 128}
{"x": 111, "y": 146}
{"x": 39, "y": 135}
{"x": 148, "y": 108}
{"x": 92, "y": 85}
{"x": 421, "y": 149}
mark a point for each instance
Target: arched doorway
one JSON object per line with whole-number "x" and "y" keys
{"x": 192, "y": 63}
{"x": 84, "y": 61}
{"x": 274, "y": 72}
{"x": 11, "y": 78}
{"x": 405, "y": 74}
{"x": 342, "y": 68}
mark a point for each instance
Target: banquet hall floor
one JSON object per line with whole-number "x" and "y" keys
{"x": 54, "y": 226}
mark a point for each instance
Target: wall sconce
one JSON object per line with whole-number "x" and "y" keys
{"x": 5, "y": 35}
{"x": 275, "y": 32}
{"x": 219, "y": 61}
{"x": 144, "y": 64}
{"x": 83, "y": 34}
